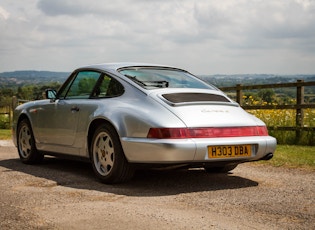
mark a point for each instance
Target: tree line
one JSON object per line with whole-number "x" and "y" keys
{"x": 26, "y": 92}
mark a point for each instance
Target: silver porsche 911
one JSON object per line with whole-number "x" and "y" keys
{"x": 121, "y": 116}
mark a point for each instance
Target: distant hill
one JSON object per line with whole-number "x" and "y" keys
{"x": 20, "y": 78}
{"x": 33, "y": 74}
{"x": 251, "y": 79}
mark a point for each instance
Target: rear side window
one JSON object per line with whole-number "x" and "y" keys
{"x": 108, "y": 87}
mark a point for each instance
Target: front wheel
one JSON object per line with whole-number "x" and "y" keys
{"x": 108, "y": 159}
{"x": 26, "y": 144}
{"x": 220, "y": 169}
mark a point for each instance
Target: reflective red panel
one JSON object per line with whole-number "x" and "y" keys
{"x": 178, "y": 133}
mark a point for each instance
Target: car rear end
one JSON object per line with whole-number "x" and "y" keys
{"x": 210, "y": 127}
{"x": 211, "y": 131}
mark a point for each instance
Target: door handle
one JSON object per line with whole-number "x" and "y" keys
{"x": 75, "y": 109}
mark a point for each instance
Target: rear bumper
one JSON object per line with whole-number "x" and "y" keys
{"x": 144, "y": 150}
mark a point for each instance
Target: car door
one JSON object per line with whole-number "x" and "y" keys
{"x": 58, "y": 120}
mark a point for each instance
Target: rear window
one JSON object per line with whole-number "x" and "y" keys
{"x": 152, "y": 78}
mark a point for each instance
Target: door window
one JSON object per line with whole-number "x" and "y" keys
{"x": 83, "y": 85}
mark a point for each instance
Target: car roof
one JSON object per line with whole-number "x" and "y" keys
{"x": 118, "y": 65}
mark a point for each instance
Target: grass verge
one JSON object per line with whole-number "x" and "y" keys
{"x": 293, "y": 156}
{"x": 5, "y": 134}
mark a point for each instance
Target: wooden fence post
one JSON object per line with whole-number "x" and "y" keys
{"x": 239, "y": 94}
{"x": 14, "y": 102}
{"x": 299, "y": 111}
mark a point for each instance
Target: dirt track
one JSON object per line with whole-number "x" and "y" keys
{"x": 61, "y": 194}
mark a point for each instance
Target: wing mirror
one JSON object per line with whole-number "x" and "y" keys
{"x": 50, "y": 94}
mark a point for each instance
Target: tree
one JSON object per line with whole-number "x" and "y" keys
{"x": 267, "y": 95}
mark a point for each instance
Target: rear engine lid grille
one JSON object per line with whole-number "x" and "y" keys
{"x": 194, "y": 97}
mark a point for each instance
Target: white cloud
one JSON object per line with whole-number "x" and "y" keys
{"x": 4, "y": 14}
{"x": 204, "y": 36}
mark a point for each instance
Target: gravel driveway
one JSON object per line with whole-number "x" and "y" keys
{"x": 62, "y": 194}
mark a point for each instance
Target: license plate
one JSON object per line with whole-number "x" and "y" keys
{"x": 227, "y": 151}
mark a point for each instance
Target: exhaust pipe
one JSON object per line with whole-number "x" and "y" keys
{"x": 267, "y": 157}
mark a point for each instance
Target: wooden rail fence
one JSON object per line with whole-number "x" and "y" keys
{"x": 298, "y": 107}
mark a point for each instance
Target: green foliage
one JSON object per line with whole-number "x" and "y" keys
{"x": 6, "y": 97}
{"x": 267, "y": 95}
{"x": 4, "y": 121}
{"x": 26, "y": 92}
{"x": 289, "y": 137}
{"x": 35, "y": 92}
{"x": 86, "y": 85}
{"x": 286, "y": 118}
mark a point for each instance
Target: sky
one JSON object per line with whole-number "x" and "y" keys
{"x": 201, "y": 36}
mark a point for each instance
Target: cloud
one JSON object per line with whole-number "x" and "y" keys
{"x": 82, "y": 7}
{"x": 62, "y": 7}
{"x": 4, "y": 14}
{"x": 206, "y": 35}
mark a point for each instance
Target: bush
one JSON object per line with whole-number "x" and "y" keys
{"x": 4, "y": 121}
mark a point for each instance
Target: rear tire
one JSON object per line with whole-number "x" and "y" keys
{"x": 108, "y": 159}
{"x": 26, "y": 144}
{"x": 220, "y": 169}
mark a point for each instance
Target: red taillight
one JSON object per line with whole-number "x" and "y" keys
{"x": 262, "y": 130}
{"x": 164, "y": 133}
{"x": 180, "y": 133}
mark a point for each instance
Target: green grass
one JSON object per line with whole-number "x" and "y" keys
{"x": 5, "y": 134}
{"x": 292, "y": 156}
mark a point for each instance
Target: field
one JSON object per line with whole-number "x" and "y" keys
{"x": 286, "y": 118}
{"x": 282, "y": 117}
{"x": 287, "y": 154}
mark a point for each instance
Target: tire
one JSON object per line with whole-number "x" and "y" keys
{"x": 108, "y": 159}
{"x": 220, "y": 169}
{"x": 26, "y": 144}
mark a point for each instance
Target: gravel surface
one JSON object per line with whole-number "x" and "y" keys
{"x": 62, "y": 194}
